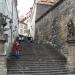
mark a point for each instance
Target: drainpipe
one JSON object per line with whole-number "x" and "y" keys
{"x": 11, "y": 22}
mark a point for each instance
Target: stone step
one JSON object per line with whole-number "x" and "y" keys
{"x": 32, "y": 59}
{"x": 37, "y": 72}
{"x": 22, "y": 73}
{"x": 28, "y": 69}
{"x": 34, "y": 66}
{"x": 26, "y": 64}
{"x": 44, "y": 66}
{"x": 31, "y": 74}
{"x": 36, "y": 62}
{"x": 37, "y": 65}
{"x": 37, "y": 68}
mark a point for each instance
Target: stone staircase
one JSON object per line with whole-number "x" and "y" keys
{"x": 38, "y": 61}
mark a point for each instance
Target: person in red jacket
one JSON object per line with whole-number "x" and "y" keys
{"x": 17, "y": 49}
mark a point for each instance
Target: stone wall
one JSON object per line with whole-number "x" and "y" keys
{"x": 53, "y": 28}
{"x": 71, "y": 56}
{"x": 3, "y": 67}
{"x": 42, "y": 28}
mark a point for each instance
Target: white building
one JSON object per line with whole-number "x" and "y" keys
{"x": 23, "y": 29}
{"x": 12, "y": 23}
{"x": 24, "y": 24}
{"x": 8, "y": 10}
{"x": 31, "y": 26}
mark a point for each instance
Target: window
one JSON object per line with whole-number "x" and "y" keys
{"x": 25, "y": 27}
{"x": 25, "y": 31}
{"x": 21, "y": 26}
{"x": 21, "y": 31}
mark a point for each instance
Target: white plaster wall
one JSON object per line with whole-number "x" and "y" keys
{"x": 23, "y": 27}
{"x": 32, "y": 27}
{"x": 12, "y": 14}
{"x": 2, "y": 6}
{"x": 8, "y": 12}
{"x": 15, "y": 21}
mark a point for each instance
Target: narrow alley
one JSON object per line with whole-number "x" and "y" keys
{"x": 37, "y": 37}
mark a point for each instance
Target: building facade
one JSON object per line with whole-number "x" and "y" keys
{"x": 23, "y": 29}
{"x": 35, "y": 14}
{"x": 55, "y": 26}
{"x": 8, "y": 30}
{"x": 25, "y": 24}
{"x": 12, "y": 23}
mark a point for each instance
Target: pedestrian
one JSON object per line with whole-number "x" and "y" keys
{"x": 17, "y": 49}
